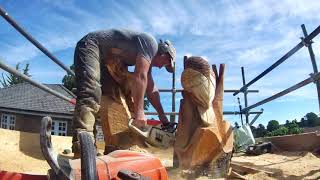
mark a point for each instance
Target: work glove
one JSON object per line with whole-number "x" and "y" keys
{"x": 169, "y": 127}
{"x": 166, "y": 124}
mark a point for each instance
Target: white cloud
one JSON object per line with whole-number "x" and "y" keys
{"x": 252, "y": 56}
{"x": 220, "y": 21}
{"x": 14, "y": 54}
{"x": 188, "y": 54}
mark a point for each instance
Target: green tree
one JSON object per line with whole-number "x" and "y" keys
{"x": 311, "y": 119}
{"x": 295, "y": 121}
{"x": 318, "y": 122}
{"x": 296, "y": 130}
{"x": 273, "y": 125}
{"x": 69, "y": 81}
{"x": 293, "y": 128}
{"x": 287, "y": 122}
{"x": 303, "y": 123}
{"x": 261, "y": 131}
{"x": 287, "y": 128}
{"x": 279, "y": 132}
{"x": 12, "y": 79}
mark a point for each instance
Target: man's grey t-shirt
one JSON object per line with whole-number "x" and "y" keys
{"x": 135, "y": 43}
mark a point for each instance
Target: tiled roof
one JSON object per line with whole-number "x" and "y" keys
{"x": 25, "y": 96}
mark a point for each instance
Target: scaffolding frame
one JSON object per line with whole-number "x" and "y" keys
{"x": 306, "y": 41}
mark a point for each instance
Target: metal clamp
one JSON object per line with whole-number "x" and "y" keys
{"x": 314, "y": 78}
{"x": 306, "y": 43}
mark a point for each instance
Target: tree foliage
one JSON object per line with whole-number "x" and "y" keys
{"x": 261, "y": 131}
{"x": 287, "y": 122}
{"x": 273, "y": 125}
{"x": 279, "y": 132}
{"x": 69, "y": 81}
{"x": 303, "y": 122}
{"x": 290, "y": 127}
{"x": 312, "y": 119}
{"x": 11, "y": 79}
{"x": 293, "y": 127}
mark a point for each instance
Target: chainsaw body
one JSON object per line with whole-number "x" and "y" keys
{"x": 109, "y": 166}
{"x": 160, "y": 138}
{"x": 154, "y": 134}
{"x": 120, "y": 164}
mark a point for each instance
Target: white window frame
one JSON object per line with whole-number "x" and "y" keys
{"x": 8, "y": 121}
{"x": 59, "y": 128}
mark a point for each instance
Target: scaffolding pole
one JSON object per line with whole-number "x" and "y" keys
{"x": 313, "y": 59}
{"x": 225, "y": 91}
{"x": 173, "y": 108}
{"x": 282, "y": 59}
{"x": 224, "y": 113}
{"x": 11, "y": 21}
{"x": 36, "y": 84}
{"x": 313, "y": 78}
{"x": 245, "y": 94}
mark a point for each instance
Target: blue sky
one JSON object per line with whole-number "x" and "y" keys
{"x": 253, "y": 34}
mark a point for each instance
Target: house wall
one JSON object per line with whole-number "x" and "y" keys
{"x": 31, "y": 123}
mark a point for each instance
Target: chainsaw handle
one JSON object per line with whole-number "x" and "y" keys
{"x": 137, "y": 130}
{"x": 169, "y": 129}
{"x": 131, "y": 175}
{"x": 88, "y": 157}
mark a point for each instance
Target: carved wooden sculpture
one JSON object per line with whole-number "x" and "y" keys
{"x": 203, "y": 138}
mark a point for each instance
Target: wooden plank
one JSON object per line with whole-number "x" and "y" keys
{"x": 243, "y": 169}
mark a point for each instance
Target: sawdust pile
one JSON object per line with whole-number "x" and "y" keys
{"x": 283, "y": 165}
{"x": 20, "y": 152}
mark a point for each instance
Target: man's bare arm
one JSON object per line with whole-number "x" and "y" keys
{"x": 153, "y": 96}
{"x": 139, "y": 87}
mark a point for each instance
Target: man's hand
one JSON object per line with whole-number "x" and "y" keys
{"x": 140, "y": 122}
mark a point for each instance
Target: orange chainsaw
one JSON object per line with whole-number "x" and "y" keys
{"x": 120, "y": 164}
